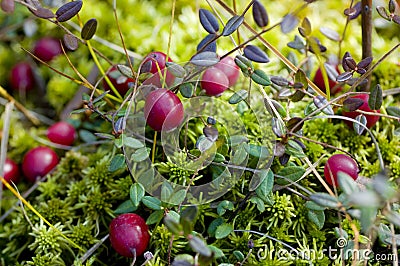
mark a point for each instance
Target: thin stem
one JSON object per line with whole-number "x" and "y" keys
{"x": 366, "y": 27}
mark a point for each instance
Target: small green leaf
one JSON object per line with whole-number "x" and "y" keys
{"x": 238, "y": 96}
{"x": 223, "y": 206}
{"x": 178, "y": 197}
{"x": 313, "y": 206}
{"x": 155, "y": 217}
{"x": 375, "y": 98}
{"x": 259, "y": 202}
{"x": 239, "y": 255}
{"x": 199, "y": 246}
{"x": 260, "y": 77}
{"x": 240, "y": 154}
{"x": 140, "y": 155}
{"x": 136, "y": 193}
{"x": 266, "y": 185}
{"x": 393, "y": 110}
{"x": 223, "y": 230}
{"x": 89, "y": 29}
{"x": 175, "y": 69}
{"x": 292, "y": 173}
{"x": 87, "y": 136}
{"x": 117, "y": 163}
{"x": 125, "y": 207}
{"x": 257, "y": 151}
{"x": 166, "y": 191}
{"x": 186, "y": 89}
{"x": 347, "y": 184}
{"x": 172, "y": 225}
{"x": 131, "y": 142}
{"x": 317, "y": 217}
{"x": 152, "y": 203}
{"x": 294, "y": 149}
{"x": 188, "y": 219}
{"x": 236, "y": 140}
{"x": 325, "y": 200}
{"x": 301, "y": 77}
{"x": 212, "y": 228}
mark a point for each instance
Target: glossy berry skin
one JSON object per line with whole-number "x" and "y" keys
{"x": 163, "y": 110}
{"x": 21, "y": 77}
{"x": 214, "y": 81}
{"x": 11, "y": 171}
{"x": 47, "y": 48}
{"x": 61, "y": 133}
{"x": 319, "y": 81}
{"x": 371, "y": 119}
{"x": 129, "y": 232}
{"x": 230, "y": 69}
{"x": 342, "y": 163}
{"x": 120, "y": 82}
{"x": 38, "y": 162}
{"x": 151, "y": 63}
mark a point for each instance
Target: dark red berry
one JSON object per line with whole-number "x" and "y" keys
{"x": 342, "y": 163}
{"x": 319, "y": 81}
{"x": 371, "y": 119}
{"x": 163, "y": 110}
{"x": 11, "y": 171}
{"x": 22, "y": 78}
{"x": 121, "y": 83}
{"x": 229, "y": 67}
{"x": 38, "y": 162}
{"x": 214, "y": 81}
{"x": 47, "y": 48}
{"x": 61, "y": 133}
{"x": 155, "y": 63}
{"x": 129, "y": 235}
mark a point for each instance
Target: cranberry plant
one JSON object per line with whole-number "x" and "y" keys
{"x": 245, "y": 145}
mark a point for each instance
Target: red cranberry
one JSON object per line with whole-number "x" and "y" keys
{"x": 22, "y": 78}
{"x": 11, "y": 171}
{"x": 214, "y": 81}
{"x": 163, "y": 110}
{"x": 47, "y": 48}
{"x": 152, "y": 63}
{"x": 371, "y": 119}
{"x": 229, "y": 67}
{"x": 319, "y": 81}
{"x": 342, "y": 163}
{"x": 120, "y": 82}
{"x": 38, "y": 162}
{"x": 61, "y": 133}
{"x": 129, "y": 235}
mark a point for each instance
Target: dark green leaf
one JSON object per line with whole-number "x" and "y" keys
{"x": 257, "y": 151}
{"x": 352, "y": 104}
{"x": 244, "y": 64}
{"x": 393, "y": 111}
{"x": 392, "y": 6}
{"x": 172, "y": 225}
{"x": 125, "y": 207}
{"x": 136, "y": 193}
{"x": 199, "y": 246}
{"x": 294, "y": 149}
{"x": 266, "y": 185}
{"x": 188, "y": 218}
{"x": 295, "y": 123}
{"x": 117, "y": 163}
{"x": 313, "y": 206}
{"x": 238, "y": 96}
{"x": 205, "y": 59}
{"x": 208, "y": 21}
{"x": 208, "y": 44}
{"x": 178, "y": 197}
{"x": 232, "y": 25}
{"x": 278, "y": 107}
{"x": 68, "y": 10}
{"x": 155, "y": 217}
{"x": 260, "y": 14}
{"x": 239, "y": 255}
{"x": 214, "y": 225}
{"x": 223, "y": 206}
{"x": 260, "y": 77}
{"x": 89, "y": 29}
{"x": 292, "y": 173}
{"x": 375, "y": 98}
{"x": 255, "y": 54}
{"x": 297, "y": 96}
{"x": 325, "y": 200}
{"x": 259, "y": 202}
{"x": 359, "y": 126}
{"x": 152, "y": 203}
{"x": 186, "y": 89}
{"x": 140, "y": 155}
{"x": 301, "y": 77}
{"x": 310, "y": 108}
{"x": 176, "y": 69}
{"x": 223, "y": 230}
{"x": 236, "y": 140}
{"x": 317, "y": 217}
{"x": 87, "y": 136}
{"x": 166, "y": 191}
{"x": 219, "y": 158}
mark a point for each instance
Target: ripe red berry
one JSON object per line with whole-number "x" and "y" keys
{"x": 22, "y": 78}
{"x": 229, "y": 67}
{"x": 61, "y": 133}
{"x": 11, "y": 171}
{"x": 129, "y": 235}
{"x": 152, "y": 63}
{"x": 47, "y": 48}
{"x": 38, "y": 162}
{"x": 214, "y": 81}
{"x": 163, "y": 110}
{"x": 319, "y": 81}
{"x": 121, "y": 83}
{"x": 342, "y": 163}
{"x": 371, "y": 119}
